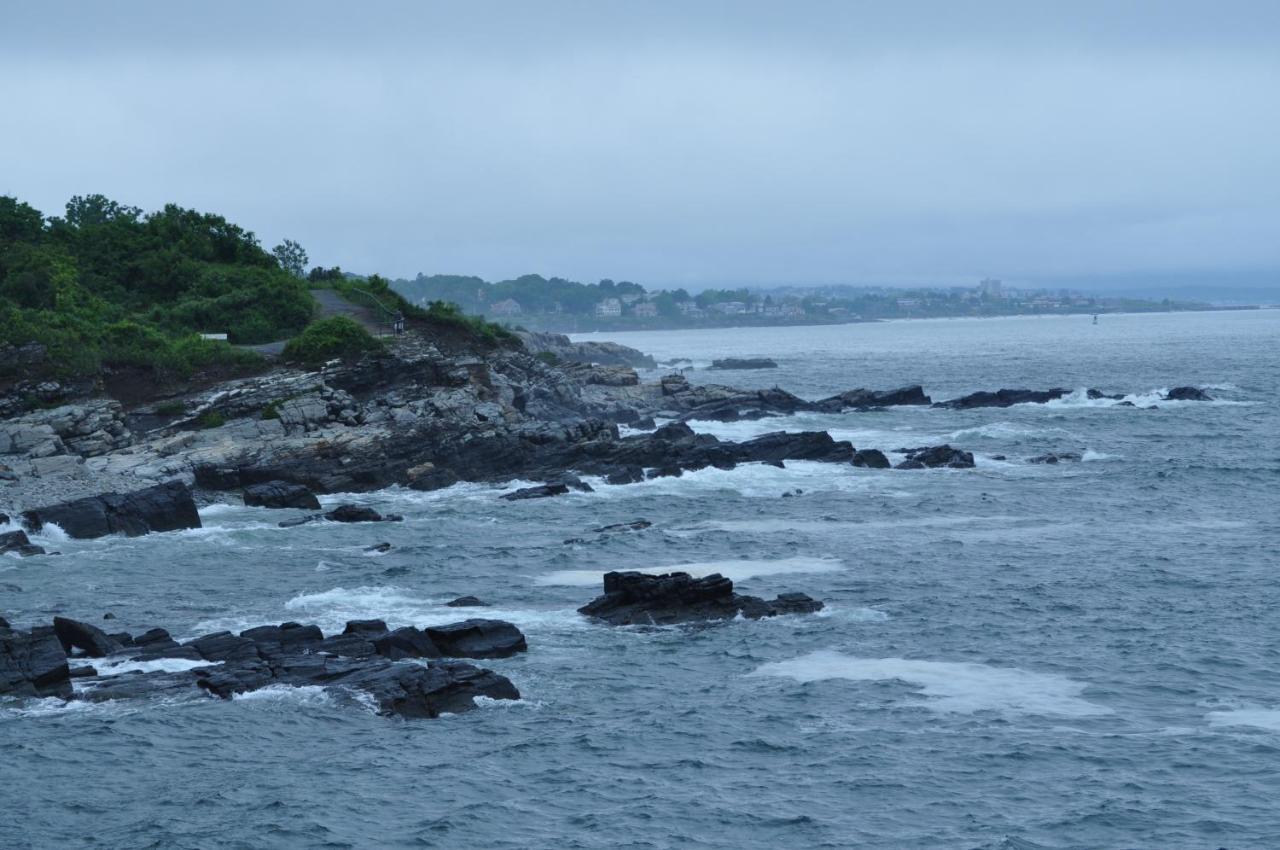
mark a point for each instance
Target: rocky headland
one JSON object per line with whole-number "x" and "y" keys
{"x": 423, "y": 415}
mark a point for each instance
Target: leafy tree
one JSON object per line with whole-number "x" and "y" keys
{"x": 292, "y": 257}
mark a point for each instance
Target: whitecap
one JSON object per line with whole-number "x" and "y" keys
{"x": 1259, "y": 718}
{"x": 737, "y": 570}
{"x": 156, "y": 665}
{"x": 951, "y": 686}
{"x": 1092, "y": 456}
{"x": 288, "y": 694}
{"x": 331, "y": 609}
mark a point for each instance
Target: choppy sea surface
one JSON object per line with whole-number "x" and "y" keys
{"x": 1084, "y": 655}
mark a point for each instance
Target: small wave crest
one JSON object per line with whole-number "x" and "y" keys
{"x": 1258, "y": 718}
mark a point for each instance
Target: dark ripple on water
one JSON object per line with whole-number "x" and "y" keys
{"x": 1078, "y": 656}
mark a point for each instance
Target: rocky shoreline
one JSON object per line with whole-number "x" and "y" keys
{"x": 417, "y": 417}
{"x": 424, "y": 418}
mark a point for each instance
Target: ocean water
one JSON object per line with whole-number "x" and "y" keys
{"x": 1084, "y": 655}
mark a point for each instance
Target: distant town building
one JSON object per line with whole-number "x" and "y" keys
{"x": 506, "y": 307}
{"x": 908, "y": 303}
{"x": 729, "y": 308}
{"x": 645, "y": 310}
{"x": 991, "y": 288}
{"x": 609, "y": 308}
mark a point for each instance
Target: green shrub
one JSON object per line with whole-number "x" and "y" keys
{"x": 211, "y": 419}
{"x": 334, "y": 337}
{"x": 447, "y": 313}
{"x": 171, "y": 408}
{"x": 549, "y": 358}
{"x": 271, "y": 411}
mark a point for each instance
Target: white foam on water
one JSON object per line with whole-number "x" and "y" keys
{"x": 771, "y": 526}
{"x": 1004, "y": 431}
{"x": 1092, "y": 456}
{"x": 1259, "y": 718}
{"x": 1080, "y": 399}
{"x": 288, "y": 694}
{"x": 737, "y": 570}
{"x": 331, "y": 609}
{"x": 157, "y": 665}
{"x": 951, "y": 686}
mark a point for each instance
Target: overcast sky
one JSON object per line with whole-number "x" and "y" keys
{"x": 674, "y": 143}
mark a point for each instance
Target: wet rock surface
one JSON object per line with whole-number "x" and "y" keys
{"x": 633, "y": 598}
{"x": 164, "y": 507}
{"x": 280, "y": 494}
{"x": 936, "y": 457}
{"x": 389, "y": 666}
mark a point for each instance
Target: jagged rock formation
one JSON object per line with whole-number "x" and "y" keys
{"x": 367, "y": 657}
{"x": 593, "y": 352}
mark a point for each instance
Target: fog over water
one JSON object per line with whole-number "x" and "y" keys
{"x": 673, "y": 143}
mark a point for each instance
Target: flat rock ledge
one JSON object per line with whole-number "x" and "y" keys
{"x": 407, "y": 671}
{"x": 634, "y": 598}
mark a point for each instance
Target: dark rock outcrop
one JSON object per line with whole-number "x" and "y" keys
{"x": 466, "y": 602}
{"x": 1187, "y": 394}
{"x": 744, "y": 363}
{"x": 478, "y": 639}
{"x": 542, "y": 491}
{"x": 17, "y": 541}
{"x": 343, "y": 513}
{"x": 870, "y": 459}
{"x": 936, "y": 457}
{"x": 164, "y": 507}
{"x": 633, "y": 598}
{"x": 1003, "y": 398}
{"x": 90, "y": 640}
{"x": 366, "y": 658}
{"x": 280, "y": 494}
{"x": 1055, "y": 457}
{"x": 33, "y": 664}
{"x": 867, "y": 399}
{"x": 359, "y": 513}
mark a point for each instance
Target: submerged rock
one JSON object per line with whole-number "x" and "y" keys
{"x": 17, "y": 541}
{"x": 633, "y": 598}
{"x": 344, "y": 513}
{"x": 164, "y": 507}
{"x": 1055, "y": 457}
{"x": 542, "y": 491}
{"x": 936, "y": 457}
{"x": 466, "y": 602}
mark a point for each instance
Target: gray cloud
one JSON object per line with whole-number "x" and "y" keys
{"x": 735, "y": 142}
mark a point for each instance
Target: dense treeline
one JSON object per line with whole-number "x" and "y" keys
{"x": 108, "y": 284}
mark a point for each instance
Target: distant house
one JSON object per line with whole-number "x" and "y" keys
{"x": 991, "y": 288}
{"x": 630, "y": 297}
{"x": 729, "y": 308}
{"x": 506, "y": 307}
{"x": 645, "y": 310}
{"x": 908, "y": 303}
{"x": 609, "y": 308}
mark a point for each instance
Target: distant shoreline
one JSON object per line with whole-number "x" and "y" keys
{"x": 625, "y": 327}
